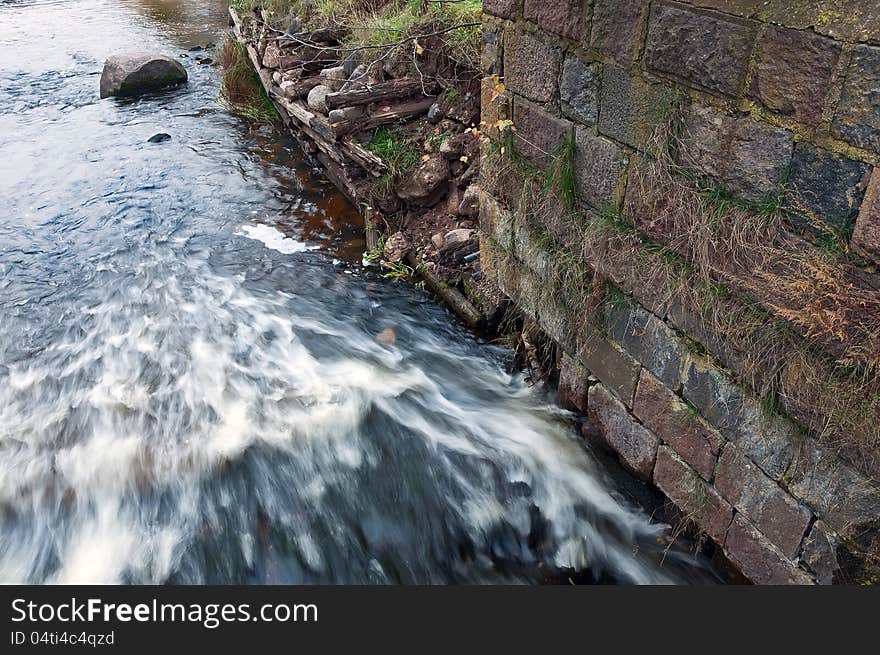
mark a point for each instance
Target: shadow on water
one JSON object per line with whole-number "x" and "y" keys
{"x": 191, "y": 387}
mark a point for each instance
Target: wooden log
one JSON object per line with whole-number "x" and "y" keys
{"x": 236, "y": 22}
{"x": 304, "y": 120}
{"x": 384, "y": 116}
{"x": 325, "y": 36}
{"x": 366, "y": 159}
{"x": 371, "y": 227}
{"x": 338, "y": 176}
{"x": 322, "y": 126}
{"x": 401, "y": 88}
{"x": 308, "y": 64}
{"x": 296, "y": 110}
{"x": 453, "y": 297}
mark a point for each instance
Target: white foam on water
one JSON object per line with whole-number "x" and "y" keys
{"x": 273, "y": 238}
{"x": 234, "y": 375}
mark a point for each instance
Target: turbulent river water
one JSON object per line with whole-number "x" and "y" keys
{"x": 191, "y": 388}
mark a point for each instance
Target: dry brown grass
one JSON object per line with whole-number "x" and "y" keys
{"x": 440, "y": 40}
{"x": 822, "y": 295}
{"x": 241, "y": 89}
{"x": 796, "y": 325}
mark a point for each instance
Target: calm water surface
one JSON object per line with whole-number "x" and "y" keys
{"x": 191, "y": 389}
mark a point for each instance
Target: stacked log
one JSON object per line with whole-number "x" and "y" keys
{"x": 324, "y": 96}
{"x": 333, "y": 103}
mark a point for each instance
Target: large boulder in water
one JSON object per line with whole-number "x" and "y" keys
{"x": 131, "y": 73}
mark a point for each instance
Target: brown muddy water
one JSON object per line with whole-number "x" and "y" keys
{"x": 191, "y": 389}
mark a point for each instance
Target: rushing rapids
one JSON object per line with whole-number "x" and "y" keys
{"x": 191, "y": 387}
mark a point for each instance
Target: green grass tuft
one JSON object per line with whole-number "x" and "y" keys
{"x": 561, "y": 177}
{"x": 241, "y": 89}
{"x": 399, "y": 154}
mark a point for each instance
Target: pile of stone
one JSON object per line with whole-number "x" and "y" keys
{"x": 334, "y": 98}
{"x": 329, "y": 96}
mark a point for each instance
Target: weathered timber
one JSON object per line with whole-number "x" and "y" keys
{"x": 325, "y": 36}
{"x": 461, "y": 305}
{"x": 371, "y": 227}
{"x": 307, "y": 64}
{"x": 368, "y": 161}
{"x": 401, "y": 88}
{"x": 339, "y": 177}
{"x": 297, "y": 110}
{"x": 322, "y": 126}
{"x": 384, "y": 116}
{"x": 235, "y": 22}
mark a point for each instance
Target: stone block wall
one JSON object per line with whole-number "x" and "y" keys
{"x": 778, "y": 100}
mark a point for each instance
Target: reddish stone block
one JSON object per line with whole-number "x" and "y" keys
{"x": 675, "y": 423}
{"x": 696, "y": 499}
{"x": 771, "y": 510}
{"x": 635, "y": 445}
{"x": 858, "y": 114}
{"x": 792, "y": 72}
{"x": 747, "y": 157}
{"x": 573, "y": 384}
{"x": 538, "y": 134}
{"x": 866, "y": 237}
{"x": 616, "y": 27}
{"x": 568, "y": 18}
{"x": 502, "y": 8}
{"x": 531, "y": 66}
{"x": 758, "y": 559}
{"x": 704, "y": 49}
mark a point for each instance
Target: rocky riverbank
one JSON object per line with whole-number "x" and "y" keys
{"x": 395, "y": 125}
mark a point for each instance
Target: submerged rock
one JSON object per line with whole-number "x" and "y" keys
{"x": 159, "y": 138}
{"x": 387, "y": 337}
{"x": 131, "y": 73}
